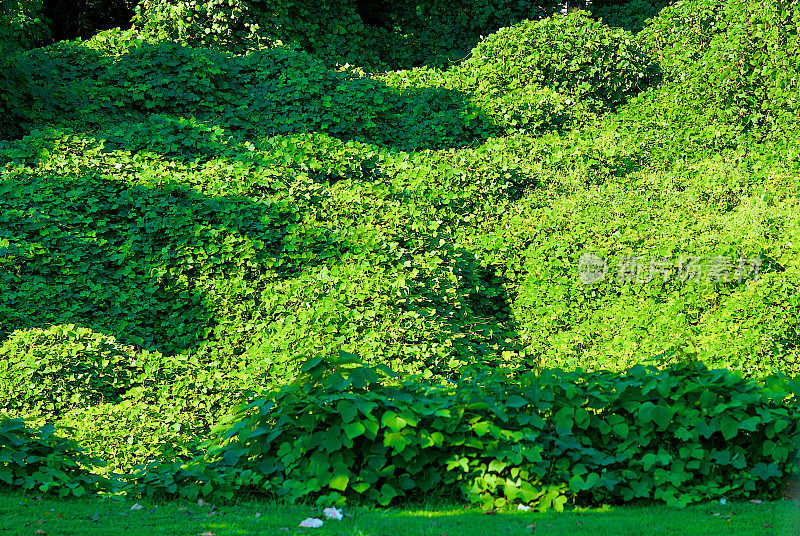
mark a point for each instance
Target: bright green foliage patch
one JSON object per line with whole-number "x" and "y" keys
{"x": 62, "y": 368}
{"x": 734, "y": 66}
{"x": 582, "y": 59}
{"x": 545, "y": 75}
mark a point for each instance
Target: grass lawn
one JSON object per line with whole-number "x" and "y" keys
{"x": 25, "y": 514}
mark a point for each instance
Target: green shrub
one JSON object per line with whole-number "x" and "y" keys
{"x": 345, "y": 431}
{"x": 565, "y": 323}
{"x": 682, "y": 31}
{"x": 733, "y": 67}
{"x": 580, "y": 58}
{"x": 135, "y": 431}
{"x": 35, "y": 459}
{"x": 59, "y": 84}
{"x": 157, "y": 78}
{"x": 199, "y": 94}
{"x": 538, "y": 76}
{"x": 178, "y": 138}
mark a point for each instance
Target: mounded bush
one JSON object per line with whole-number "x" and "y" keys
{"x": 733, "y": 66}
{"x": 546, "y": 75}
{"x": 135, "y": 431}
{"x": 158, "y": 78}
{"x": 738, "y": 214}
{"x": 682, "y": 31}
{"x": 346, "y": 431}
{"x": 578, "y": 57}
{"x": 188, "y": 103}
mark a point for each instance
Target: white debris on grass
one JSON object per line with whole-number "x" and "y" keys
{"x": 311, "y": 522}
{"x": 332, "y": 513}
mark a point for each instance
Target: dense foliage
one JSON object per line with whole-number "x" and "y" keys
{"x": 677, "y": 435}
{"x": 21, "y": 28}
{"x": 376, "y": 35}
{"x": 36, "y": 459}
{"x": 344, "y": 430}
{"x": 191, "y": 207}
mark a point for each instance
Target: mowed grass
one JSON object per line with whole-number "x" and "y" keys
{"x": 28, "y": 514}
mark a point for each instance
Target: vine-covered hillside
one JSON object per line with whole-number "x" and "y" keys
{"x": 197, "y": 202}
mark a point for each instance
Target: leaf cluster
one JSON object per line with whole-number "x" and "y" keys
{"x": 38, "y": 460}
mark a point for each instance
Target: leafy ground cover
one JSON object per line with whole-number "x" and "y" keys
{"x": 191, "y": 209}
{"x": 25, "y": 514}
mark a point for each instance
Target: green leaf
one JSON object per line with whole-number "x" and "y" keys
{"x": 582, "y": 418}
{"x": 347, "y": 409}
{"x": 360, "y": 487}
{"x": 729, "y": 427}
{"x": 516, "y": 401}
{"x": 497, "y": 466}
{"x": 387, "y": 494}
{"x": 565, "y": 417}
{"x": 354, "y": 429}
{"x": 393, "y": 421}
{"x": 396, "y": 440}
{"x": 339, "y": 482}
{"x": 620, "y": 429}
{"x": 662, "y": 416}
{"x": 311, "y": 363}
{"x": 576, "y": 483}
{"x": 332, "y": 443}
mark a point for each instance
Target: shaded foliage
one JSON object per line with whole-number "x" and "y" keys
{"x": 71, "y": 19}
